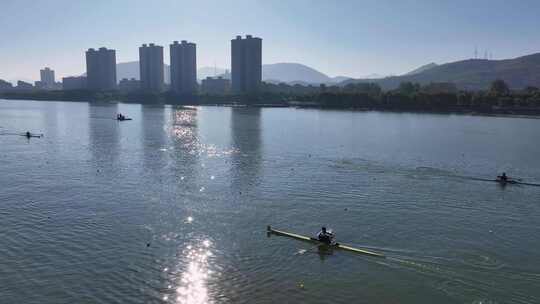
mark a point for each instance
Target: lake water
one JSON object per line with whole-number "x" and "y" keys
{"x": 172, "y": 207}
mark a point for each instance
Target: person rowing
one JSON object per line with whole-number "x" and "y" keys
{"x": 503, "y": 177}
{"x": 325, "y": 236}
{"x": 28, "y": 134}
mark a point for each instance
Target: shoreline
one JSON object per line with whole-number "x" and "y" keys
{"x": 469, "y": 111}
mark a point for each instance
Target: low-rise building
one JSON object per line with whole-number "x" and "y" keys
{"x": 5, "y": 86}
{"x": 215, "y": 85}
{"x": 40, "y": 85}
{"x": 129, "y": 85}
{"x": 23, "y": 85}
{"x": 74, "y": 83}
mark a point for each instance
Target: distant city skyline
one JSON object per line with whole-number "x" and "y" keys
{"x": 350, "y": 38}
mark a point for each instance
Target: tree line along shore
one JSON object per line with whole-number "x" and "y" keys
{"x": 435, "y": 97}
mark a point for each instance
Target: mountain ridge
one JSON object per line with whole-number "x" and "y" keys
{"x": 422, "y": 69}
{"x": 471, "y": 74}
{"x": 293, "y": 72}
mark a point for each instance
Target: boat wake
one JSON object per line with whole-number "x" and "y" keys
{"x": 468, "y": 276}
{"x": 417, "y": 173}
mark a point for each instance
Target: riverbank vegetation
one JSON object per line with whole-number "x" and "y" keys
{"x": 435, "y": 97}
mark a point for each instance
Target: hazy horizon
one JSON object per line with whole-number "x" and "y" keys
{"x": 348, "y": 39}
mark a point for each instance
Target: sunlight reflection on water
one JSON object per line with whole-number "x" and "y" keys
{"x": 192, "y": 285}
{"x": 184, "y": 129}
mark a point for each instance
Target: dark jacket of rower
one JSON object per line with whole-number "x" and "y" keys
{"x": 325, "y": 236}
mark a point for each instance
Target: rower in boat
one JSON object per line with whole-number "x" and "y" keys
{"x": 28, "y": 134}
{"x": 325, "y": 236}
{"x": 504, "y": 180}
{"x": 270, "y": 230}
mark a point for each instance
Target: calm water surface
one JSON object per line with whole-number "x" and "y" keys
{"x": 172, "y": 207}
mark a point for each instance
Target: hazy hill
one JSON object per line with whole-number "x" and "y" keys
{"x": 422, "y": 69}
{"x": 277, "y": 72}
{"x": 131, "y": 70}
{"x": 340, "y": 78}
{"x": 293, "y": 72}
{"x": 374, "y": 76}
{"x": 472, "y": 74}
{"x": 204, "y": 72}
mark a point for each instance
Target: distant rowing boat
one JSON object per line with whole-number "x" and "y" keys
{"x": 314, "y": 240}
{"x": 506, "y": 182}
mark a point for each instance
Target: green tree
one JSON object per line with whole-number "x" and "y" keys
{"x": 408, "y": 88}
{"x": 499, "y": 87}
{"x": 531, "y": 90}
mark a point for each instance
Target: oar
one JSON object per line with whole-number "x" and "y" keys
{"x": 10, "y": 133}
{"x": 528, "y": 184}
{"x": 22, "y": 134}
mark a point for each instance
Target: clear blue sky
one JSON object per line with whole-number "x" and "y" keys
{"x": 351, "y": 38}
